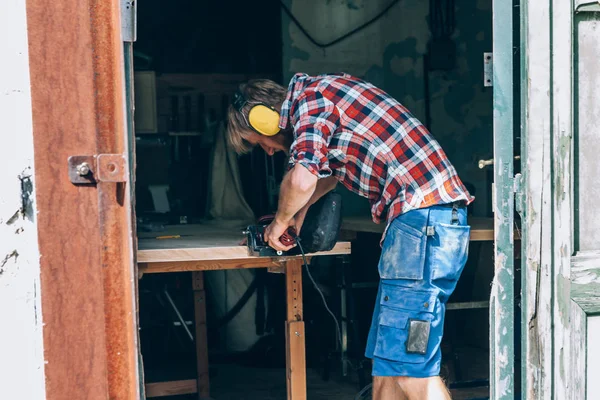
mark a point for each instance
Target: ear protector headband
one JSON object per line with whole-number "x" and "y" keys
{"x": 261, "y": 118}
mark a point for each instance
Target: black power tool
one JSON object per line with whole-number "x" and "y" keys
{"x": 319, "y": 232}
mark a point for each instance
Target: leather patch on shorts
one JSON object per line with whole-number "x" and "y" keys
{"x": 418, "y": 336}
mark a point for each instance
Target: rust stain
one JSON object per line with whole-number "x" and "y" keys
{"x": 115, "y": 234}
{"x": 77, "y": 105}
{"x": 64, "y": 124}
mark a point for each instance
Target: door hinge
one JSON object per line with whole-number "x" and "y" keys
{"x": 519, "y": 195}
{"x": 129, "y": 20}
{"x": 488, "y": 69}
{"x": 98, "y": 168}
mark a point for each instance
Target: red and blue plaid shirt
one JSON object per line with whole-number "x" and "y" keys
{"x": 371, "y": 143}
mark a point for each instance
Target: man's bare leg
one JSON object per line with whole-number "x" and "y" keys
{"x": 387, "y": 388}
{"x": 406, "y": 388}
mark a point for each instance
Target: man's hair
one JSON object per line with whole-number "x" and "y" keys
{"x": 255, "y": 91}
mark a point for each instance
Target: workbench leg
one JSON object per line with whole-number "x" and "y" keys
{"x": 201, "y": 337}
{"x": 294, "y": 333}
{"x": 344, "y": 315}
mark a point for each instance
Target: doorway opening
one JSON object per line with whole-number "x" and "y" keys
{"x": 188, "y": 60}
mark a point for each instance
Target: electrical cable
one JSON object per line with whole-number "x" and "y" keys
{"x": 365, "y": 390}
{"x": 229, "y": 315}
{"x": 343, "y": 37}
{"x": 337, "y": 324}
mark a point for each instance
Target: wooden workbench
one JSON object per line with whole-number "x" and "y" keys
{"x": 215, "y": 246}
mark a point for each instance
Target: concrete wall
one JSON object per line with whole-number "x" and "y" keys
{"x": 389, "y": 53}
{"x": 21, "y": 342}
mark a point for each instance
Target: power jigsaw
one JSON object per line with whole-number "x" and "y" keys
{"x": 319, "y": 232}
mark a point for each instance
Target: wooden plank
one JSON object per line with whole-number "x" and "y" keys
{"x": 208, "y": 234}
{"x": 578, "y": 347}
{"x": 190, "y": 266}
{"x": 293, "y": 284}
{"x": 562, "y": 165}
{"x": 295, "y": 360}
{"x": 482, "y": 229}
{"x": 295, "y": 335}
{"x": 502, "y": 379}
{"x": 171, "y": 388}
{"x": 235, "y": 252}
{"x": 204, "y": 242}
{"x": 201, "y": 336}
{"x": 536, "y": 319}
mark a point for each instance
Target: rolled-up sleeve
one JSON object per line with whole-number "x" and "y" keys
{"x": 315, "y": 121}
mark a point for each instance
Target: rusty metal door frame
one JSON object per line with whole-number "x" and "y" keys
{"x": 85, "y": 231}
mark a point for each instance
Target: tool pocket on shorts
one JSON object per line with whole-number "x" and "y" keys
{"x": 403, "y": 254}
{"x": 405, "y": 321}
{"x": 449, "y": 250}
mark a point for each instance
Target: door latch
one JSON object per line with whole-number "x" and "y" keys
{"x": 97, "y": 168}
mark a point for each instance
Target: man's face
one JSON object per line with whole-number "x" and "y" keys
{"x": 271, "y": 144}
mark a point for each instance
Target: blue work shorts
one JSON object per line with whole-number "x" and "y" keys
{"x": 423, "y": 255}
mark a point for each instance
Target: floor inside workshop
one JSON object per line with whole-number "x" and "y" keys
{"x": 233, "y": 381}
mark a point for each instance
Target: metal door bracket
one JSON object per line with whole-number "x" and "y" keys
{"x": 488, "y": 69}
{"x": 129, "y": 20}
{"x": 97, "y": 168}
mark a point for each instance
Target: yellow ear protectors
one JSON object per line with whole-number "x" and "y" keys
{"x": 261, "y": 118}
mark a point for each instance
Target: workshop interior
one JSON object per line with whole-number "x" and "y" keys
{"x": 433, "y": 56}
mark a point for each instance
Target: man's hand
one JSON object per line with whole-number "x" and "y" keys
{"x": 274, "y": 231}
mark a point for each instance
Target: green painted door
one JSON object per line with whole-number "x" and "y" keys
{"x": 502, "y": 376}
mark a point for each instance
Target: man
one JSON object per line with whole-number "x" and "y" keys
{"x": 339, "y": 128}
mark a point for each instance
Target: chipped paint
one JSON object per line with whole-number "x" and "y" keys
{"x": 21, "y": 341}
{"x": 502, "y": 380}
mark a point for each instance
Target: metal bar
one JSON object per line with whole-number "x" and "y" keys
{"x": 178, "y": 314}
{"x": 114, "y": 200}
{"x": 467, "y": 305}
{"x": 128, "y": 20}
{"x": 502, "y": 304}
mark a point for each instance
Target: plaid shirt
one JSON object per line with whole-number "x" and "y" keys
{"x": 372, "y": 144}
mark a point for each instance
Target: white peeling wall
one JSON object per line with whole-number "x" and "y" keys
{"x": 21, "y": 340}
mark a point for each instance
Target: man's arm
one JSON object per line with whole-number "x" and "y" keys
{"x": 324, "y": 186}
{"x": 297, "y": 189}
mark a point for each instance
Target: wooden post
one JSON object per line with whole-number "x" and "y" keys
{"x": 294, "y": 333}
{"x": 201, "y": 337}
